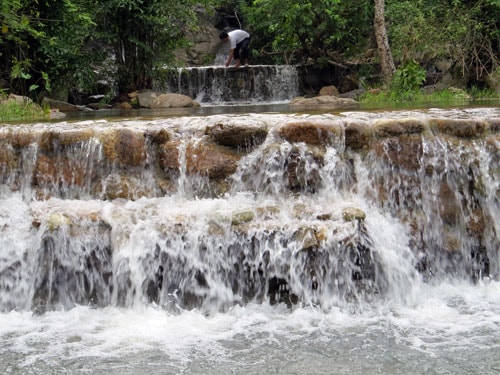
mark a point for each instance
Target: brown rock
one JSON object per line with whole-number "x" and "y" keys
{"x": 122, "y": 105}
{"x": 469, "y": 128}
{"x": 62, "y": 106}
{"x": 494, "y": 124}
{"x": 397, "y": 127}
{"x": 328, "y": 91}
{"x": 357, "y": 135}
{"x": 313, "y": 133}
{"x": 172, "y": 100}
{"x": 449, "y": 207}
{"x": 20, "y": 139}
{"x": 158, "y": 137}
{"x": 238, "y": 135}
{"x": 57, "y": 171}
{"x": 325, "y": 102}
{"x": 203, "y": 158}
{"x": 403, "y": 152}
{"x": 124, "y": 147}
{"x": 67, "y": 138}
{"x": 7, "y": 158}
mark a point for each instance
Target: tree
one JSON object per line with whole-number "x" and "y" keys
{"x": 143, "y": 35}
{"x": 384, "y": 50}
{"x": 42, "y": 43}
{"x": 61, "y": 44}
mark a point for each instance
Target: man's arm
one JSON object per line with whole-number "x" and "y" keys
{"x": 230, "y": 56}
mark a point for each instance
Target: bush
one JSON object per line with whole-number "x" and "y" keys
{"x": 408, "y": 79}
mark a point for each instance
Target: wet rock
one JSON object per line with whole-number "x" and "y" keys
{"x": 449, "y": 207}
{"x": 19, "y": 140}
{"x": 313, "y": 133}
{"x": 242, "y": 217}
{"x": 476, "y": 224}
{"x": 357, "y": 135}
{"x": 49, "y": 141}
{"x": 461, "y": 128}
{"x": 202, "y": 158}
{"x": 395, "y": 128}
{"x": 403, "y": 153}
{"x": 306, "y": 238}
{"x": 353, "y": 213}
{"x": 55, "y": 171}
{"x": 158, "y": 137}
{"x": 125, "y": 187}
{"x": 494, "y": 124}
{"x": 303, "y": 170}
{"x": 55, "y": 221}
{"x": 279, "y": 292}
{"x": 8, "y": 158}
{"x": 240, "y": 136}
{"x": 124, "y": 147}
{"x": 71, "y": 137}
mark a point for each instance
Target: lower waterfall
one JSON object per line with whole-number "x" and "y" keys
{"x": 259, "y": 243}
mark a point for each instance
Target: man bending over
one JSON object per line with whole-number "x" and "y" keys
{"x": 239, "y": 41}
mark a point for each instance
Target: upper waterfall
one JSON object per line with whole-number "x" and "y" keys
{"x": 249, "y": 84}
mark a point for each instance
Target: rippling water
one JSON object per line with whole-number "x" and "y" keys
{"x": 449, "y": 329}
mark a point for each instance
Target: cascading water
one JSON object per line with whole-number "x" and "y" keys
{"x": 252, "y": 243}
{"x": 211, "y": 85}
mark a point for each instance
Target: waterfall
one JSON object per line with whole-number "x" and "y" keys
{"x": 217, "y": 84}
{"x": 212, "y": 212}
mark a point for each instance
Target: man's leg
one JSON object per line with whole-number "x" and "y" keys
{"x": 237, "y": 55}
{"x": 245, "y": 51}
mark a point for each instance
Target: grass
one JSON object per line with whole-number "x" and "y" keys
{"x": 419, "y": 96}
{"x": 10, "y": 110}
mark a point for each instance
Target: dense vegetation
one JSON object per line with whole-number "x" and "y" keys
{"x": 68, "y": 47}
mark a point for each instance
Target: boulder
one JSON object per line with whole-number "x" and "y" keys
{"x": 172, "y": 100}
{"x": 328, "y": 91}
{"x": 144, "y": 98}
{"x": 17, "y": 99}
{"x": 63, "y": 106}
{"x": 324, "y": 102}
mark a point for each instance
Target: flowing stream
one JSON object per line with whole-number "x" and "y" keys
{"x": 159, "y": 246}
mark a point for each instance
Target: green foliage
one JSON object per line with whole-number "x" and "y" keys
{"x": 63, "y": 45}
{"x": 144, "y": 34}
{"x": 295, "y": 31}
{"x": 450, "y": 95}
{"x": 43, "y": 42}
{"x": 466, "y": 33}
{"x": 378, "y": 96}
{"x": 57, "y": 45}
{"x": 408, "y": 78}
{"x": 478, "y": 93}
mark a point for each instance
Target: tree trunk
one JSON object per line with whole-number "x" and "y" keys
{"x": 384, "y": 51}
